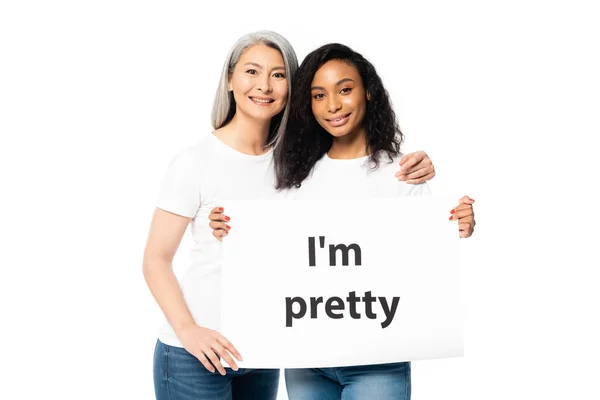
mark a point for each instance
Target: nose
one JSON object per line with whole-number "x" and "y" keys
{"x": 334, "y": 105}
{"x": 264, "y": 85}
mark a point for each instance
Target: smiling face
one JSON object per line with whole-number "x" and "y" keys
{"x": 259, "y": 84}
{"x": 339, "y": 99}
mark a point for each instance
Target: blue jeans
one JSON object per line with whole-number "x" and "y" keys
{"x": 381, "y": 382}
{"x": 178, "y": 375}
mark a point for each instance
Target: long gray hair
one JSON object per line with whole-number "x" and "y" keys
{"x": 224, "y": 104}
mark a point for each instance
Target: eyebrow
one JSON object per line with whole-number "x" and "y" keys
{"x": 337, "y": 84}
{"x": 261, "y": 67}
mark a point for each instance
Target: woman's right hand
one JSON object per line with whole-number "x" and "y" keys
{"x": 218, "y": 223}
{"x": 205, "y": 344}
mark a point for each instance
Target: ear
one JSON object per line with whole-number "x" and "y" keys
{"x": 368, "y": 96}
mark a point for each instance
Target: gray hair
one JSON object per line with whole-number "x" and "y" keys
{"x": 224, "y": 104}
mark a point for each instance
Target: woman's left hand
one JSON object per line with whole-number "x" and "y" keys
{"x": 463, "y": 213}
{"x": 218, "y": 223}
{"x": 415, "y": 168}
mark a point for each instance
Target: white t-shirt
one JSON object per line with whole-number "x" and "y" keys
{"x": 355, "y": 179}
{"x": 208, "y": 173}
{"x": 200, "y": 178}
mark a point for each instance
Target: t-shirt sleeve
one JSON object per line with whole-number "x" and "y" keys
{"x": 180, "y": 188}
{"x": 421, "y": 189}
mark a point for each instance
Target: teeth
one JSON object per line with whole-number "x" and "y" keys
{"x": 261, "y": 101}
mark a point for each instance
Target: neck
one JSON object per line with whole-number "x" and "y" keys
{"x": 246, "y": 135}
{"x": 352, "y": 145}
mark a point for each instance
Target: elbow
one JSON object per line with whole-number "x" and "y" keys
{"x": 147, "y": 268}
{"x": 152, "y": 264}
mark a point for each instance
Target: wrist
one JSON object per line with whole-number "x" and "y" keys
{"x": 183, "y": 326}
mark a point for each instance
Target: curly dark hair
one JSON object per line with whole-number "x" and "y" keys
{"x": 305, "y": 141}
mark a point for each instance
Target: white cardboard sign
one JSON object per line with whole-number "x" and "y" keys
{"x": 322, "y": 284}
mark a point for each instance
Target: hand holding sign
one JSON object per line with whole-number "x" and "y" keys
{"x": 218, "y": 223}
{"x": 465, "y": 216}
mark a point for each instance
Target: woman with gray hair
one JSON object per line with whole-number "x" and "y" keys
{"x": 234, "y": 162}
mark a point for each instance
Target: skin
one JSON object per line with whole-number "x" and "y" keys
{"x": 339, "y": 103}
{"x": 259, "y": 75}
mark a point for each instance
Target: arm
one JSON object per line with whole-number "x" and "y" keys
{"x": 166, "y": 232}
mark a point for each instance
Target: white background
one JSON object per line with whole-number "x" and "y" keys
{"x": 97, "y": 97}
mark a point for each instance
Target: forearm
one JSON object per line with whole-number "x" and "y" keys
{"x": 166, "y": 291}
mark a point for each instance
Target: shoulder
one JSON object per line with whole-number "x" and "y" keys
{"x": 193, "y": 155}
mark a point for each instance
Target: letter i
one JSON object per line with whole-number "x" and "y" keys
{"x": 311, "y": 251}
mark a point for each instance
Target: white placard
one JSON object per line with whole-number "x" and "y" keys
{"x": 289, "y": 300}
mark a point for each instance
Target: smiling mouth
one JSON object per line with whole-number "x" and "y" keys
{"x": 261, "y": 101}
{"x": 338, "y": 121}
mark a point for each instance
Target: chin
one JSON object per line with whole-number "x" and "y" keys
{"x": 264, "y": 115}
{"x": 338, "y": 133}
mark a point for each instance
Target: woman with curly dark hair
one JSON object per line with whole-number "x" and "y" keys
{"x": 317, "y": 126}
{"x": 342, "y": 141}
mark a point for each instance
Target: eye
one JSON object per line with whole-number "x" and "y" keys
{"x": 345, "y": 90}
{"x": 318, "y": 96}
{"x": 252, "y": 72}
{"x": 279, "y": 75}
